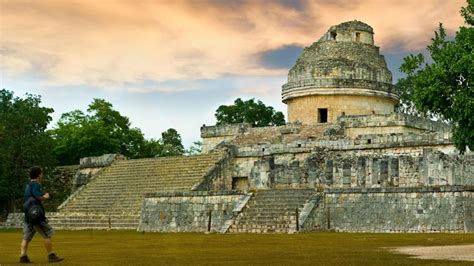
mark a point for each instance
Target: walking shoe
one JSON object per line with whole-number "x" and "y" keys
{"x": 53, "y": 258}
{"x": 24, "y": 259}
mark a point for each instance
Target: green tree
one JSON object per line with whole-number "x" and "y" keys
{"x": 171, "y": 142}
{"x": 168, "y": 145}
{"x": 103, "y": 130}
{"x": 151, "y": 148}
{"x": 255, "y": 113}
{"x": 24, "y": 142}
{"x": 444, "y": 87}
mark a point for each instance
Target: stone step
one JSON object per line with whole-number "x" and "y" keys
{"x": 289, "y": 195}
{"x": 156, "y": 183}
{"x": 98, "y": 220}
{"x": 121, "y": 188}
{"x": 258, "y": 226}
{"x": 141, "y": 170}
{"x": 104, "y": 211}
{"x": 124, "y": 189}
{"x": 94, "y": 216}
{"x": 86, "y": 222}
{"x": 275, "y": 205}
{"x": 170, "y": 174}
{"x": 282, "y": 197}
{"x": 258, "y": 231}
{"x": 114, "y": 215}
{"x": 64, "y": 220}
{"x": 160, "y": 181}
{"x": 268, "y": 215}
{"x": 276, "y": 222}
{"x": 138, "y": 169}
{"x": 271, "y": 211}
{"x": 98, "y": 191}
{"x": 95, "y": 226}
{"x": 282, "y": 215}
{"x": 103, "y": 206}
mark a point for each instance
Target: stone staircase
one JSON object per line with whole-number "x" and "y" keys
{"x": 271, "y": 211}
{"x": 114, "y": 198}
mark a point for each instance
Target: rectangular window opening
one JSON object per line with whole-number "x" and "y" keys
{"x": 357, "y": 36}
{"x": 322, "y": 115}
{"x": 240, "y": 183}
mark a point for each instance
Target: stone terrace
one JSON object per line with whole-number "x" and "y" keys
{"x": 114, "y": 198}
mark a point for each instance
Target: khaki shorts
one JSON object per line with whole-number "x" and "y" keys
{"x": 44, "y": 229}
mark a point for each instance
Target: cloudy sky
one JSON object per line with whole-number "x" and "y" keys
{"x": 172, "y": 63}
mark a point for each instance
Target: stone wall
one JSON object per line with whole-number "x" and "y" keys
{"x": 219, "y": 178}
{"x": 390, "y": 124}
{"x": 348, "y": 133}
{"x": 440, "y": 209}
{"x": 346, "y": 32}
{"x": 58, "y": 185}
{"x": 305, "y": 109}
{"x": 188, "y": 211}
{"x": 17, "y": 219}
{"x": 325, "y": 168}
{"x": 212, "y": 136}
{"x": 412, "y": 144}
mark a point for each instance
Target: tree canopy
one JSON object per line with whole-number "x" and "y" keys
{"x": 171, "y": 143}
{"x": 255, "y": 113}
{"x": 104, "y": 130}
{"x": 443, "y": 88}
{"x": 24, "y": 142}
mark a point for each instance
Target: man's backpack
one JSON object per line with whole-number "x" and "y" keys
{"x": 34, "y": 209}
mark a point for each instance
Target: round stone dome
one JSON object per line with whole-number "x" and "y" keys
{"x": 344, "y": 73}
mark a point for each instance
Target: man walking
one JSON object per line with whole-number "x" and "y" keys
{"x": 33, "y": 189}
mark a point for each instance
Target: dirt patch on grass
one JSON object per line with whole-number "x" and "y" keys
{"x": 458, "y": 252}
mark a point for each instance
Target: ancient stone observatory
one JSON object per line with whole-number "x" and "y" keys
{"x": 360, "y": 171}
{"x": 342, "y": 73}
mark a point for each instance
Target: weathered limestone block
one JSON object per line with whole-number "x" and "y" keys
{"x": 187, "y": 211}
{"x": 212, "y": 136}
{"x": 441, "y": 209}
{"x": 356, "y": 168}
{"x": 260, "y": 175}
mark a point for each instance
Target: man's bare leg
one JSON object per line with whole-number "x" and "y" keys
{"x": 48, "y": 245}
{"x": 24, "y": 247}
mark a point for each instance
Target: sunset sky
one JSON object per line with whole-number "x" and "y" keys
{"x": 172, "y": 63}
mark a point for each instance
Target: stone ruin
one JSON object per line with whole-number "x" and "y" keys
{"x": 345, "y": 161}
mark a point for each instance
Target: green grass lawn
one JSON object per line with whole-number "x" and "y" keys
{"x": 132, "y": 248}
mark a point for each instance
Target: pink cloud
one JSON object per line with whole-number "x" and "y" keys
{"x": 109, "y": 43}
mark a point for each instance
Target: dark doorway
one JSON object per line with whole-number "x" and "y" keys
{"x": 357, "y": 36}
{"x": 323, "y": 115}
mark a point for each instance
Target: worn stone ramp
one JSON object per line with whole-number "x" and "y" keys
{"x": 114, "y": 198}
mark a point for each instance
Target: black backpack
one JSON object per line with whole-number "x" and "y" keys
{"x": 34, "y": 210}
